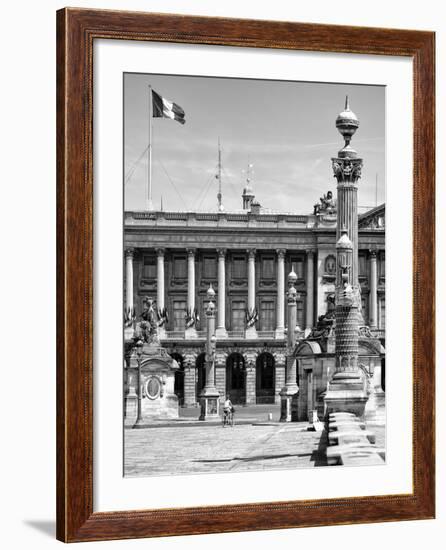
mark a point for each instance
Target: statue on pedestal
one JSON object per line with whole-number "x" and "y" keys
{"x": 149, "y": 323}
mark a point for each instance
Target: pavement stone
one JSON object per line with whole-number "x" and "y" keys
{"x": 193, "y": 450}
{"x": 188, "y": 446}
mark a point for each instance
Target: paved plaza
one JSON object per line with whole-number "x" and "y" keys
{"x": 209, "y": 449}
{"x": 258, "y": 441}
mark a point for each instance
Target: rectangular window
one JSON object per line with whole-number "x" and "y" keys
{"x": 300, "y": 314}
{"x": 365, "y": 308}
{"x": 362, "y": 265}
{"x": 382, "y": 265}
{"x": 268, "y": 268}
{"x": 238, "y": 315}
{"x": 297, "y": 263}
{"x": 179, "y": 268}
{"x": 149, "y": 268}
{"x": 267, "y": 315}
{"x": 179, "y": 312}
{"x": 239, "y": 268}
{"x": 209, "y": 268}
{"x": 382, "y": 313}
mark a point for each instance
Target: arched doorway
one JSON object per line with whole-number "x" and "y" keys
{"x": 265, "y": 378}
{"x": 201, "y": 375}
{"x": 235, "y": 378}
{"x": 179, "y": 378}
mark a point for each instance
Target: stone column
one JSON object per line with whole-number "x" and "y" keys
{"x": 190, "y": 381}
{"x": 220, "y": 375}
{"x": 129, "y": 278}
{"x": 160, "y": 289}
{"x": 191, "y": 331}
{"x": 209, "y": 397}
{"x": 250, "y": 378}
{"x": 347, "y": 391}
{"x": 221, "y": 324}
{"x": 288, "y": 394}
{"x": 309, "y": 317}
{"x": 373, "y": 306}
{"x": 251, "y": 331}
{"x": 280, "y": 310}
{"x": 279, "y": 375}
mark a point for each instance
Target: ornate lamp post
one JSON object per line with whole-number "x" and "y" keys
{"x": 346, "y": 390}
{"x": 288, "y": 394}
{"x": 139, "y": 351}
{"x": 209, "y": 396}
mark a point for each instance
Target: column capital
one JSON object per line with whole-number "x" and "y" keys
{"x": 160, "y": 251}
{"x": 373, "y": 253}
{"x": 221, "y": 252}
{"x": 281, "y": 253}
{"x": 251, "y": 252}
{"x": 311, "y": 252}
{"x": 129, "y": 252}
{"x": 191, "y": 251}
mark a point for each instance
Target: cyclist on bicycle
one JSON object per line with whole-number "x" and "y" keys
{"x": 228, "y": 409}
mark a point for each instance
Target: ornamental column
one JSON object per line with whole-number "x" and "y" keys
{"x": 221, "y": 324}
{"x": 209, "y": 396}
{"x": 129, "y": 253}
{"x": 309, "y": 316}
{"x": 373, "y": 305}
{"x": 288, "y": 394}
{"x": 347, "y": 389}
{"x": 252, "y": 314}
{"x": 160, "y": 292}
{"x": 191, "y": 312}
{"x": 280, "y": 309}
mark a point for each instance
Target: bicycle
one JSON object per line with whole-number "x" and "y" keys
{"x": 228, "y": 418}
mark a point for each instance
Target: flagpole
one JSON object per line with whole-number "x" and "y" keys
{"x": 149, "y": 164}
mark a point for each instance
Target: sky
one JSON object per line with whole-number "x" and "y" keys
{"x": 286, "y": 130}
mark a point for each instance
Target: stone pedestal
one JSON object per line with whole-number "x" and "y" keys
{"x": 159, "y": 401}
{"x": 190, "y": 333}
{"x": 346, "y": 393}
{"x": 251, "y": 333}
{"x": 289, "y": 393}
{"x": 288, "y": 404}
{"x": 209, "y": 404}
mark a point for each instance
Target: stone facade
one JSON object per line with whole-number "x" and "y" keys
{"x": 246, "y": 256}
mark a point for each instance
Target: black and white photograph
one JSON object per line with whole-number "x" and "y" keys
{"x": 254, "y": 293}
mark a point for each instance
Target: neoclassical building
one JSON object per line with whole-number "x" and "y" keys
{"x": 246, "y": 256}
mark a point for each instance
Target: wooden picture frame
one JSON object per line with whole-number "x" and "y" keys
{"x": 76, "y": 31}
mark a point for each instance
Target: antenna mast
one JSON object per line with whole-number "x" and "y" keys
{"x": 219, "y": 195}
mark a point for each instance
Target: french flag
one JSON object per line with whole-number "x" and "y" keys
{"x": 162, "y": 107}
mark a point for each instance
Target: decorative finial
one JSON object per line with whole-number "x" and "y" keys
{"x": 292, "y": 277}
{"x": 347, "y": 123}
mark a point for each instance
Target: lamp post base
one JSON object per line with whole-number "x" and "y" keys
{"x": 209, "y": 404}
{"x": 288, "y": 403}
